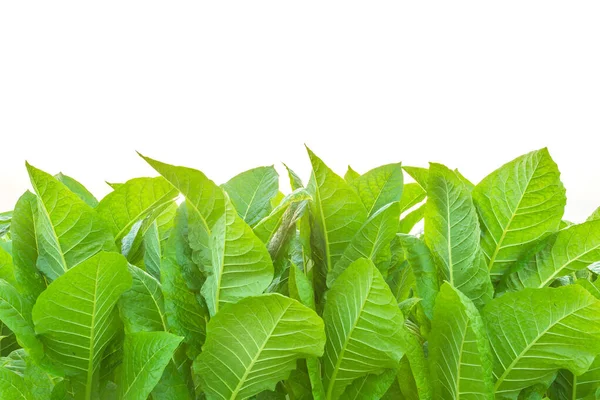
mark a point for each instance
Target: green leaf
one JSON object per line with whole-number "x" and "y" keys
{"x": 363, "y": 325}
{"x": 421, "y": 262}
{"x": 459, "y": 353}
{"x": 142, "y": 306}
{"x": 536, "y": 332}
{"x": 68, "y": 230}
{"x": 5, "y": 219}
{"x": 411, "y": 219}
{"x": 370, "y": 387}
{"x": 39, "y": 382}
{"x": 13, "y": 386}
{"x": 7, "y": 271}
{"x": 253, "y": 344}
{"x": 337, "y": 213}
{"x": 413, "y": 375}
{"x": 351, "y": 175}
{"x": 372, "y": 241}
{"x": 267, "y": 228}
{"x": 15, "y": 313}
{"x": 412, "y": 194}
{"x": 241, "y": 265}
{"x": 77, "y": 188}
{"x": 185, "y": 315}
{"x": 518, "y": 204}
{"x": 301, "y": 288}
{"x": 452, "y": 233}
{"x": 595, "y": 215}
{"x": 24, "y": 249}
{"x": 205, "y": 201}
{"x": 251, "y": 193}
{"x": 295, "y": 181}
{"x": 570, "y": 387}
{"x": 176, "y": 381}
{"x": 380, "y": 186}
{"x": 419, "y": 174}
{"x": 133, "y": 201}
{"x": 145, "y": 356}
{"x": 73, "y": 317}
{"x": 573, "y": 249}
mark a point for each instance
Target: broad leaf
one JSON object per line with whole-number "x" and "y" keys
{"x": 452, "y": 233}
{"x": 363, "y": 325}
{"x": 370, "y": 387}
{"x": 519, "y": 203}
{"x": 205, "y": 200}
{"x": 142, "y": 306}
{"x": 251, "y": 193}
{"x": 380, "y": 186}
{"x": 595, "y": 215}
{"x": 15, "y": 313}
{"x": 253, "y": 344}
{"x": 77, "y": 188}
{"x": 573, "y": 249}
{"x": 241, "y": 265}
{"x": 337, "y": 213}
{"x": 145, "y": 356}
{"x": 68, "y": 231}
{"x": 351, "y": 175}
{"x": 181, "y": 282}
{"x": 73, "y": 317}
{"x": 372, "y": 241}
{"x": 570, "y": 387}
{"x": 419, "y": 174}
{"x": 13, "y": 386}
{"x": 420, "y": 260}
{"x": 410, "y": 220}
{"x": 459, "y": 353}
{"x": 412, "y": 194}
{"x": 132, "y": 202}
{"x": 536, "y": 332}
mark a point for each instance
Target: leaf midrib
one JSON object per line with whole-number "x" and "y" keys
{"x": 258, "y": 353}
{"x": 530, "y": 345}
{"x": 343, "y": 350}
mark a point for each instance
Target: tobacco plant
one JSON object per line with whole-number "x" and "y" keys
{"x": 356, "y": 287}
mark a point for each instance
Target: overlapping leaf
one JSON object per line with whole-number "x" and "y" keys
{"x": 363, "y": 325}
{"x": 519, "y": 203}
{"x": 253, "y": 344}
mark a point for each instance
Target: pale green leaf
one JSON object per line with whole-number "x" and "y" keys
{"x": 459, "y": 354}
{"x": 518, "y": 204}
{"x": 253, "y": 344}
{"x": 133, "y": 201}
{"x": 145, "y": 356}
{"x": 295, "y": 181}
{"x": 251, "y": 193}
{"x": 336, "y": 213}
{"x": 419, "y": 174}
{"x": 241, "y": 265}
{"x": 408, "y": 222}
{"x": 536, "y": 332}
{"x": 380, "y": 186}
{"x": 301, "y": 287}
{"x": 372, "y": 241}
{"x": 364, "y": 328}
{"x": 142, "y": 306}
{"x": 595, "y": 215}
{"x": 73, "y": 317}
{"x": 452, "y": 233}
{"x": 412, "y": 194}
{"x": 420, "y": 260}
{"x": 573, "y": 249}
{"x": 351, "y": 175}
{"x": 266, "y": 228}
{"x": 68, "y": 231}
{"x": 77, "y": 188}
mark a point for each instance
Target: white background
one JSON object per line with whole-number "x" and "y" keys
{"x": 227, "y": 86}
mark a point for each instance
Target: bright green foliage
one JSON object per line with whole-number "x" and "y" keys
{"x": 518, "y": 204}
{"x": 402, "y": 283}
{"x": 534, "y": 333}
{"x": 364, "y": 328}
{"x": 452, "y": 233}
{"x": 253, "y": 344}
{"x": 251, "y": 193}
{"x": 460, "y": 357}
{"x": 145, "y": 356}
